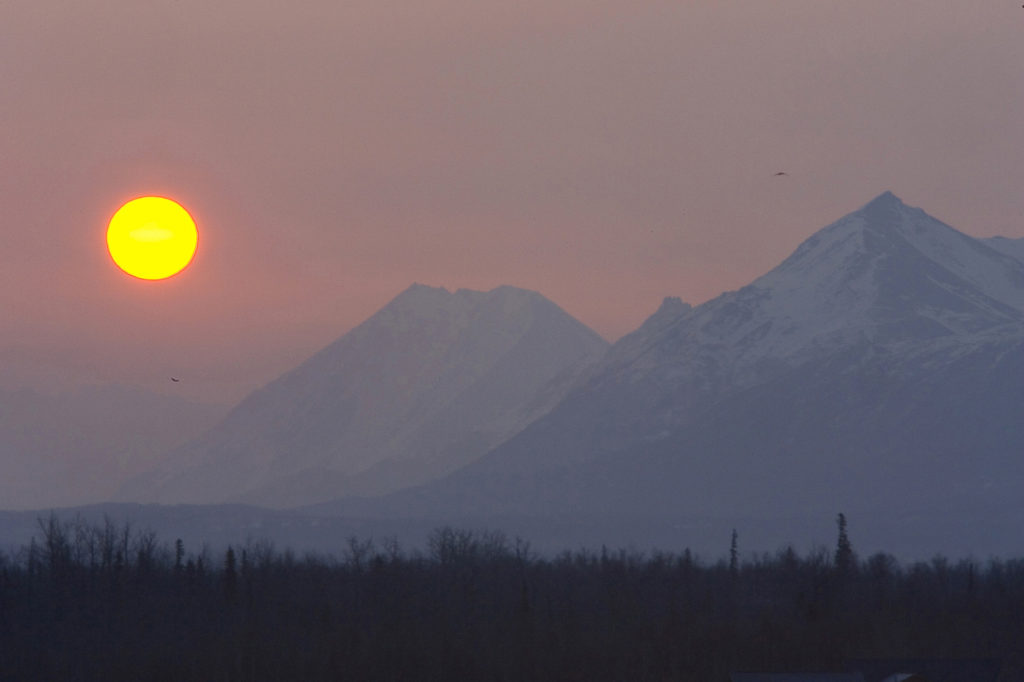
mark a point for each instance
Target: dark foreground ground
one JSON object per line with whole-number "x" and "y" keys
{"x": 104, "y": 602}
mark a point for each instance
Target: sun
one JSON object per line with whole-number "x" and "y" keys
{"x": 152, "y": 238}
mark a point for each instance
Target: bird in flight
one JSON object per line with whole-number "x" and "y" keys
{"x": 175, "y": 379}
{"x": 781, "y": 173}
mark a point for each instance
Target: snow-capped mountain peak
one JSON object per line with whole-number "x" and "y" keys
{"x": 887, "y": 261}
{"x": 885, "y": 274}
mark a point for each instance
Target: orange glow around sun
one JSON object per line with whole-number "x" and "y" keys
{"x": 152, "y": 238}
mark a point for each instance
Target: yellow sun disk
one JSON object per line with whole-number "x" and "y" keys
{"x": 152, "y": 238}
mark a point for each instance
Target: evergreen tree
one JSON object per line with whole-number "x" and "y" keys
{"x": 844, "y": 559}
{"x": 734, "y": 554}
{"x": 230, "y": 576}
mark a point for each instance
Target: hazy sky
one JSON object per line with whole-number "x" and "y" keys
{"x": 606, "y": 154}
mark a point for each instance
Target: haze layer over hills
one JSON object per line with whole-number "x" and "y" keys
{"x": 428, "y": 384}
{"x": 61, "y": 449}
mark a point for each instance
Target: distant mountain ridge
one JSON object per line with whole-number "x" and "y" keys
{"x": 427, "y": 384}
{"x": 878, "y": 369}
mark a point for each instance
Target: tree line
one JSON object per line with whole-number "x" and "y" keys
{"x": 109, "y": 602}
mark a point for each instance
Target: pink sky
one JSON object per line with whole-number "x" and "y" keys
{"x": 606, "y": 154}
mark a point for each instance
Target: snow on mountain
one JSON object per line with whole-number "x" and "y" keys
{"x": 887, "y": 273}
{"x": 427, "y": 384}
{"x": 877, "y": 367}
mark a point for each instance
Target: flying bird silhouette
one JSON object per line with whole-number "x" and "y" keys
{"x": 781, "y": 173}
{"x": 175, "y": 380}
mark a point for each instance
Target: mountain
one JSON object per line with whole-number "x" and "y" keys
{"x": 876, "y": 371}
{"x": 426, "y": 385}
{"x": 1011, "y": 247}
{"x": 78, "y": 446}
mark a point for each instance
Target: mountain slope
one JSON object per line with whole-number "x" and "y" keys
{"x": 877, "y": 368}
{"x": 429, "y": 383}
{"x": 1011, "y": 247}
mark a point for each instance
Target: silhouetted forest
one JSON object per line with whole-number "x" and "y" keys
{"x": 111, "y": 603}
